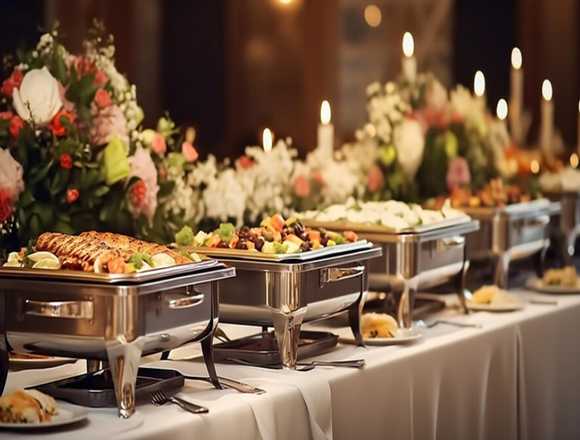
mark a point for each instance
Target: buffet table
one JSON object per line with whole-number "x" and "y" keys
{"x": 514, "y": 378}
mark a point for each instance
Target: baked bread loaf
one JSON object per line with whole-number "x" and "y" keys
{"x": 27, "y": 406}
{"x": 378, "y": 325}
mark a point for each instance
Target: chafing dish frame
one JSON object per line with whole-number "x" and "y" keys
{"x": 412, "y": 260}
{"x": 284, "y": 295}
{"x": 116, "y": 322}
{"x": 511, "y": 233}
{"x": 568, "y": 222}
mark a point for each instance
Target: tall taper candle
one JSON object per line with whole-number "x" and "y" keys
{"x": 325, "y": 131}
{"x": 479, "y": 86}
{"x": 409, "y": 62}
{"x": 516, "y": 96}
{"x": 267, "y": 140}
{"x": 547, "y": 127}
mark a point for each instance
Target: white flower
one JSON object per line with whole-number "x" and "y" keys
{"x": 11, "y": 179}
{"x": 224, "y": 198}
{"x": 38, "y": 98}
{"x": 436, "y": 96}
{"x": 410, "y": 143}
{"x": 469, "y": 108}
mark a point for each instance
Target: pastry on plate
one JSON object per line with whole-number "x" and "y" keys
{"x": 490, "y": 295}
{"x": 378, "y": 325}
{"x": 27, "y": 406}
{"x": 565, "y": 277}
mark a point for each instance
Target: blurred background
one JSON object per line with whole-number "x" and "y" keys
{"x": 233, "y": 67}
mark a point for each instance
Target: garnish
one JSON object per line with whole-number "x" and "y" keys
{"x": 184, "y": 237}
{"x": 139, "y": 258}
{"x": 226, "y": 232}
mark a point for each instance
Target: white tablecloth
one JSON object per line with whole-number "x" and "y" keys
{"x": 517, "y": 377}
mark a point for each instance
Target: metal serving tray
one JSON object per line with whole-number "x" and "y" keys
{"x": 109, "y": 278}
{"x": 567, "y": 225}
{"x": 114, "y": 322}
{"x": 510, "y": 233}
{"x": 411, "y": 260}
{"x": 284, "y": 295}
{"x": 298, "y": 256}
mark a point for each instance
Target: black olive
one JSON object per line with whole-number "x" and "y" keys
{"x": 305, "y": 246}
{"x": 259, "y": 243}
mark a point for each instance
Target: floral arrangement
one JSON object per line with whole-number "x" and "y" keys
{"x": 427, "y": 142}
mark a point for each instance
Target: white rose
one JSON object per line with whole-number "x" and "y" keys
{"x": 436, "y": 96}
{"x": 410, "y": 143}
{"x": 38, "y": 98}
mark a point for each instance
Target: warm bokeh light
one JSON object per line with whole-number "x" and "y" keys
{"x": 516, "y": 58}
{"x": 325, "y": 114}
{"x": 373, "y": 15}
{"x": 502, "y": 109}
{"x": 547, "y": 90}
{"x": 267, "y": 140}
{"x": 408, "y": 44}
{"x": 574, "y": 160}
{"x": 535, "y": 166}
{"x": 284, "y": 2}
{"x": 479, "y": 83}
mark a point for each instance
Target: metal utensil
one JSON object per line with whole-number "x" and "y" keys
{"x": 546, "y": 302}
{"x": 447, "y": 322}
{"x": 354, "y": 363}
{"x": 240, "y": 387}
{"x": 159, "y": 398}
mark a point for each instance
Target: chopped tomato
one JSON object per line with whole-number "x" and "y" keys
{"x": 314, "y": 235}
{"x": 213, "y": 241}
{"x": 278, "y": 222}
{"x": 350, "y": 236}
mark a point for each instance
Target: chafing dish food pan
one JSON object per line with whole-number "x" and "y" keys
{"x": 107, "y": 317}
{"x": 286, "y": 294}
{"x": 418, "y": 257}
{"x": 510, "y": 233}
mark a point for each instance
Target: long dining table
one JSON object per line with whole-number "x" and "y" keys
{"x": 512, "y": 376}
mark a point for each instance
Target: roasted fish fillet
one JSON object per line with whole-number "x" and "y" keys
{"x": 97, "y": 251}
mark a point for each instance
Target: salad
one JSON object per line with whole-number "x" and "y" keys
{"x": 275, "y": 235}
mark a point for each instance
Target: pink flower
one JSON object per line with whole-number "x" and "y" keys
{"x": 189, "y": 152}
{"x": 143, "y": 196}
{"x": 375, "y": 179}
{"x": 301, "y": 186}
{"x": 102, "y": 98}
{"x": 158, "y": 144}
{"x": 11, "y": 183}
{"x": 245, "y": 162}
{"x": 107, "y": 123}
{"x": 458, "y": 173}
{"x": 101, "y": 78}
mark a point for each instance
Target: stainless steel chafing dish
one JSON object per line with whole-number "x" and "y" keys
{"x": 567, "y": 224}
{"x": 511, "y": 233}
{"x": 111, "y": 318}
{"x": 284, "y": 294}
{"x": 420, "y": 257}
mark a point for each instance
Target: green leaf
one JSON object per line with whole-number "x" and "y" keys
{"x": 115, "y": 161}
{"x": 101, "y": 191}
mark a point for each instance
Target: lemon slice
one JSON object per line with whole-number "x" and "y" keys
{"x": 14, "y": 260}
{"x": 162, "y": 260}
{"x": 38, "y": 256}
{"x": 47, "y": 263}
{"x": 195, "y": 257}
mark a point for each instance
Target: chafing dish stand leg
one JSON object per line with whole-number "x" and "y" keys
{"x": 207, "y": 349}
{"x": 355, "y": 312}
{"x": 287, "y": 329}
{"x": 502, "y": 268}
{"x": 406, "y": 303}
{"x": 461, "y": 286}
{"x": 124, "y": 360}
{"x": 540, "y": 260}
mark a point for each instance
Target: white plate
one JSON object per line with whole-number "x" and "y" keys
{"x": 503, "y": 306}
{"x": 400, "y": 338}
{"x": 67, "y": 414}
{"x": 537, "y": 284}
{"x": 29, "y": 364}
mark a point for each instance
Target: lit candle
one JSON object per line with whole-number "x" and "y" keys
{"x": 578, "y": 134}
{"x": 574, "y": 160}
{"x": 547, "y": 127}
{"x": 325, "y": 131}
{"x": 409, "y": 62}
{"x": 535, "y": 166}
{"x": 502, "y": 109}
{"x": 479, "y": 86}
{"x": 267, "y": 140}
{"x": 517, "y": 95}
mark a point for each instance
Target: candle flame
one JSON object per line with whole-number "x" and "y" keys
{"x": 373, "y": 15}
{"x": 267, "y": 139}
{"x": 535, "y": 166}
{"x": 516, "y": 58}
{"x": 579, "y": 106}
{"x": 502, "y": 109}
{"x": 479, "y": 83}
{"x": 547, "y": 90}
{"x": 408, "y": 44}
{"x": 574, "y": 160}
{"x": 325, "y": 113}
